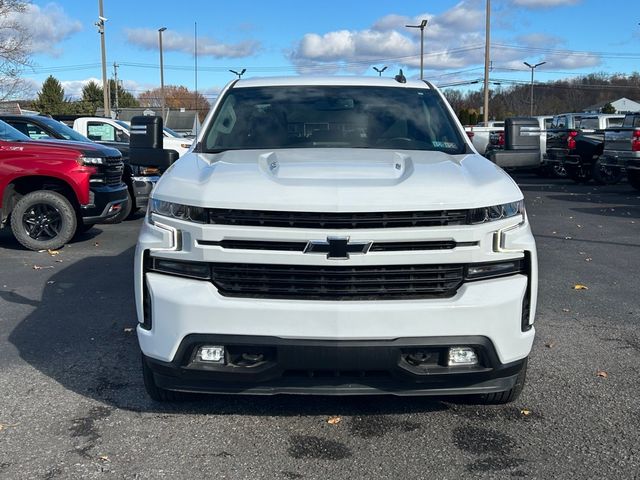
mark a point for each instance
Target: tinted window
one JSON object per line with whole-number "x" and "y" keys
{"x": 614, "y": 122}
{"x": 10, "y": 134}
{"x": 341, "y": 117}
{"x": 589, "y": 123}
{"x": 64, "y": 130}
{"x": 559, "y": 122}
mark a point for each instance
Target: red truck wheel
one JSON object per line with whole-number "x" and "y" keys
{"x": 43, "y": 220}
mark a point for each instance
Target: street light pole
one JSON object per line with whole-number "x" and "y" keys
{"x": 105, "y": 85}
{"x": 533, "y": 67}
{"x": 487, "y": 51}
{"x": 164, "y": 101}
{"x": 423, "y": 24}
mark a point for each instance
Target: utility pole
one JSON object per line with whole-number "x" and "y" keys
{"x": 487, "y": 49}
{"x": 532, "y": 67}
{"x": 164, "y": 100}
{"x": 115, "y": 81}
{"x": 423, "y": 24}
{"x": 105, "y": 85}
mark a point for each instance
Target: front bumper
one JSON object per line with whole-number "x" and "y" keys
{"x": 106, "y": 202}
{"x": 179, "y": 309}
{"x": 335, "y": 367}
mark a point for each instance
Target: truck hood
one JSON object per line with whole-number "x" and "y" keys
{"x": 87, "y": 149}
{"x": 336, "y": 180}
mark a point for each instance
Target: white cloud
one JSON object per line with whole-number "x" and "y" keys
{"x": 540, "y": 40}
{"x": 453, "y": 40}
{"x": 544, "y": 3}
{"x": 73, "y": 88}
{"x": 173, "y": 41}
{"x": 46, "y": 27}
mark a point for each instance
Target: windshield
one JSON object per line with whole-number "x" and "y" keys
{"x": 64, "y": 130}
{"x": 342, "y": 117}
{"x": 172, "y": 133}
{"x": 10, "y": 134}
{"x": 123, "y": 124}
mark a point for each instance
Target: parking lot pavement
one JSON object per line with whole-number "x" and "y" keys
{"x": 73, "y": 404}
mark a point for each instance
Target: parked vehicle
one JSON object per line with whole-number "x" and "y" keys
{"x": 518, "y": 145}
{"x": 622, "y": 148}
{"x": 51, "y": 190}
{"x": 480, "y": 134}
{"x": 335, "y": 236}
{"x": 139, "y": 180}
{"x": 576, "y": 142}
{"x": 101, "y": 129}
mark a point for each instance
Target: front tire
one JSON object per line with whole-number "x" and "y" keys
{"x": 43, "y": 220}
{"x": 508, "y": 396}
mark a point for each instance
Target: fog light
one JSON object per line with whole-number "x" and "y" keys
{"x": 211, "y": 353}
{"x": 462, "y": 356}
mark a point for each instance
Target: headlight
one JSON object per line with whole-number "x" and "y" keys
{"x": 177, "y": 210}
{"x": 496, "y": 212}
{"x": 91, "y": 161}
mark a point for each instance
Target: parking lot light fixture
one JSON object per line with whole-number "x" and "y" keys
{"x": 421, "y": 26}
{"x": 239, "y": 74}
{"x": 380, "y": 70}
{"x": 532, "y": 67}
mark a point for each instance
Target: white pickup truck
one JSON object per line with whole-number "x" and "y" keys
{"x": 335, "y": 235}
{"x": 99, "y": 129}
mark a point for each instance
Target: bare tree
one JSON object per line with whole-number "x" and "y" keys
{"x": 14, "y": 48}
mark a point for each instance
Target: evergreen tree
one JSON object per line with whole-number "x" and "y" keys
{"x": 608, "y": 108}
{"x": 125, "y": 99}
{"x": 50, "y": 99}
{"x": 463, "y": 115}
{"x": 92, "y": 97}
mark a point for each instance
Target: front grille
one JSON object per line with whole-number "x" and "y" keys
{"x": 110, "y": 173}
{"x": 337, "y": 283}
{"x": 300, "y": 246}
{"x": 268, "y": 218}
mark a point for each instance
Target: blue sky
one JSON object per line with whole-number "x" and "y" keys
{"x": 286, "y": 37}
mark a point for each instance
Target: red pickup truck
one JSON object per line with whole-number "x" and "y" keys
{"x": 49, "y": 191}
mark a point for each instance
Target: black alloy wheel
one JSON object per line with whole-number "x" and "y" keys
{"x": 42, "y": 221}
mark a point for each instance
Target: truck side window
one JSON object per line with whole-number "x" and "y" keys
{"x": 35, "y": 132}
{"x": 103, "y": 132}
{"x": 614, "y": 122}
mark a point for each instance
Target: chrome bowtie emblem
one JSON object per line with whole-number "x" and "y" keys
{"x": 337, "y": 248}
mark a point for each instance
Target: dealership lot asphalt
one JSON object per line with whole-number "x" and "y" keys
{"x": 72, "y": 404}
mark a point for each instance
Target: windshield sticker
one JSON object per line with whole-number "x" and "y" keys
{"x": 444, "y": 144}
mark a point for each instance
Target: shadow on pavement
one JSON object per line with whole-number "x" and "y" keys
{"x": 82, "y": 336}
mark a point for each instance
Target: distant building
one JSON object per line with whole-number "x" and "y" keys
{"x": 13, "y": 108}
{"x": 178, "y": 120}
{"x": 622, "y": 105}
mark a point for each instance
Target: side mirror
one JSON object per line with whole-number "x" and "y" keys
{"x": 153, "y": 157}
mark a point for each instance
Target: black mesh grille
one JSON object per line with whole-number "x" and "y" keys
{"x": 265, "y": 218}
{"x": 111, "y": 171}
{"x": 337, "y": 283}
